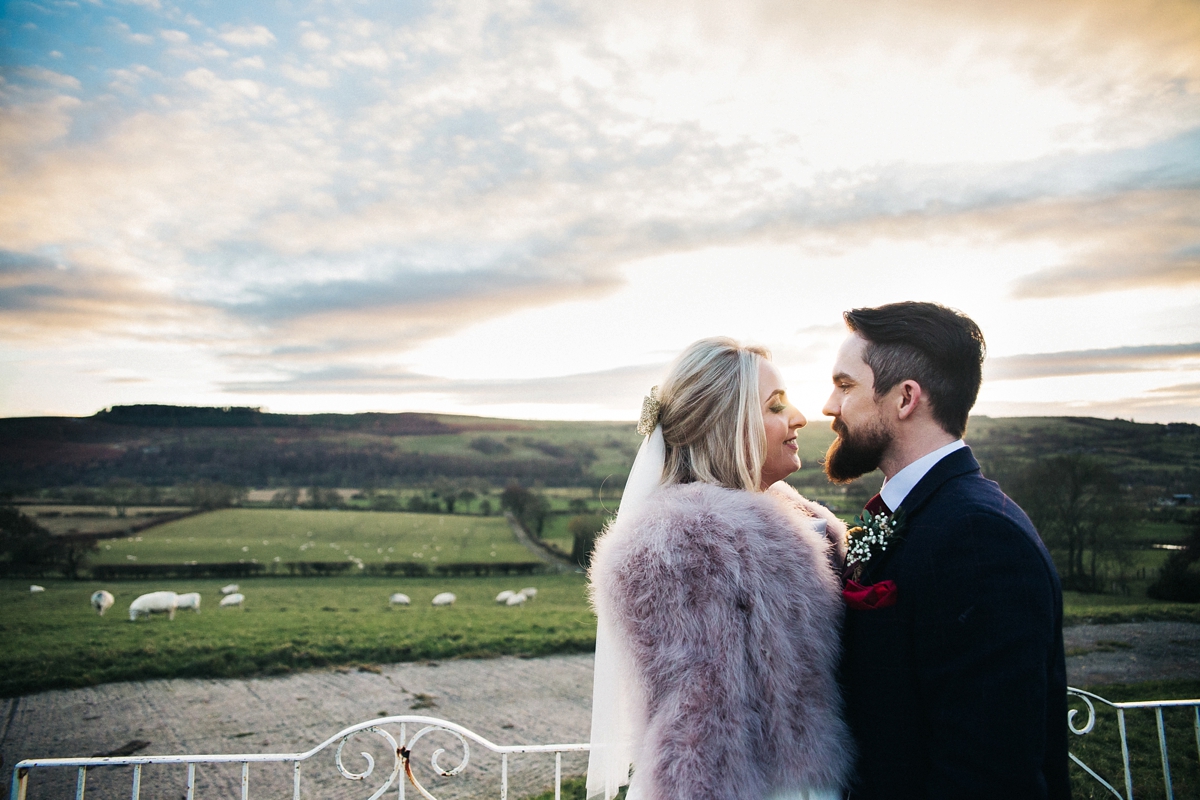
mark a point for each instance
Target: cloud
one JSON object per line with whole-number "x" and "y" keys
{"x": 123, "y": 30}
{"x": 616, "y": 388}
{"x": 1178, "y": 403}
{"x": 306, "y": 76}
{"x": 47, "y": 76}
{"x": 1093, "y": 362}
{"x": 174, "y": 36}
{"x": 41, "y": 298}
{"x": 248, "y": 36}
{"x": 371, "y": 57}
{"x": 27, "y": 127}
{"x": 314, "y": 40}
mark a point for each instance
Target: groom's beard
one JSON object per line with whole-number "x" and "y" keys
{"x": 853, "y": 455}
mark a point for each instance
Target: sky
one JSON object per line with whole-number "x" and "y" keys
{"x": 527, "y": 209}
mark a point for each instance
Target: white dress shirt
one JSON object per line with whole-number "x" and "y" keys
{"x": 895, "y": 490}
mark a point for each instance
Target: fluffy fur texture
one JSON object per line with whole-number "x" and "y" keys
{"x": 732, "y": 612}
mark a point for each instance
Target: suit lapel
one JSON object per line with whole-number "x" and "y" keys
{"x": 960, "y": 462}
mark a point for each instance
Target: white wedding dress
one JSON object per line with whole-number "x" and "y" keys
{"x": 616, "y": 693}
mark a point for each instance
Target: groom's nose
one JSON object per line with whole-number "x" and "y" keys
{"x": 832, "y": 408}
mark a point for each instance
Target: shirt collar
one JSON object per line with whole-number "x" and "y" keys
{"x": 895, "y": 490}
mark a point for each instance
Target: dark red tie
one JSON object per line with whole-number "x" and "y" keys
{"x": 876, "y": 506}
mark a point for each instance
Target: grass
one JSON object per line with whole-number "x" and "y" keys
{"x": 271, "y": 535}
{"x": 55, "y": 640}
{"x": 1104, "y": 609}
{"x": 1101, "y": 749}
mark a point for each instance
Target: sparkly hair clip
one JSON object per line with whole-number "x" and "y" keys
{"x": 651, "y": 411}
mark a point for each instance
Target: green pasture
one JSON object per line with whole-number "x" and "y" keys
{"x": 55, "y": 640}
{"x": 281, "y": 535}
{"x": 1080, "y": 608}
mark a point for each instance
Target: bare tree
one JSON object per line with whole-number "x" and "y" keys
{"x": 1081, "y": 513}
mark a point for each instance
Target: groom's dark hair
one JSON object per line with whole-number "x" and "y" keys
{"x": 938, "y": 347}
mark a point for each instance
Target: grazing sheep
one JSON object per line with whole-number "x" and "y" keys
{"x": 529, "y": 592}
{"x": 444, "y": 599}
{"x": 34, "y": 589}
{"x": 153, "y": 603}
{"x": 234, "y": 599}
{"x": 102, "y": 601}
{"x": 503, "y": 596}
{"x": 516, "y": 600}
{"x": 399, "y": 599}
{"x": 230, "y": 589}
{"x": 190, "y": 600}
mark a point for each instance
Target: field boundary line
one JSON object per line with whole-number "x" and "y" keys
{"x": 540, "y": 549}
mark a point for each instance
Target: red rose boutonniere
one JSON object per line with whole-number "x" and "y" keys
{"x": 869, "y": 598}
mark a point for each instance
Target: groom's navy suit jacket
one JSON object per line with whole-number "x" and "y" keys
{"x": 959, "y": 689}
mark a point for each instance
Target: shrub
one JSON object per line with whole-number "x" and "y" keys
{"x": 1179, "y": 580}
{"x": 584, "y": 529}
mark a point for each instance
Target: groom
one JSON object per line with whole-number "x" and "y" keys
{"x": 953, "y": 670}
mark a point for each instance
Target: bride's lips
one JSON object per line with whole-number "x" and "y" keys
{"x": 791, "y": 444}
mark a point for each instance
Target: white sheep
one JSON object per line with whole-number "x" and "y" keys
{"x": 516, "y": 600}
{"x": 399, "y": 599}
{"x": 444, "y": 599}
{"x": 152, "y": 603}
{"x": 190, "y": 600}
{"x": 503, "y": 596}
{"x": 102, "y": 601}
{"x": 529, "y": 592}
{"x": 234, "y": 599}
{"x": 34, "y": 589}
{"x": 230, "y": 589}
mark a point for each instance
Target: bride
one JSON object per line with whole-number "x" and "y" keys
{"x": 717, "y": 603}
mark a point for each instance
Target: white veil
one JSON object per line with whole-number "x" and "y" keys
{"x": 616, "y": 690}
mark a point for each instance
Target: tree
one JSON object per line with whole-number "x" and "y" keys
{"x": 121, "y": 493}
{"x": 286, "y": 498}
{"x": 1083, "y": 516}
{"x": 28, "y": 548}
{"x": 325, "y": 498}
{"x": 530, "y": 508}
{"x": 1179, "y": 581}
{"x": 73, "y": 552}
{"x": 208, "y": 495}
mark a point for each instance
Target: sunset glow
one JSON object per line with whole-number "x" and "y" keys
{"x": 526, "y": 209}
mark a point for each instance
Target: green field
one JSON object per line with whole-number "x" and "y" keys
{"x": 55, "y": 640}
{"x": 267, "y": 536}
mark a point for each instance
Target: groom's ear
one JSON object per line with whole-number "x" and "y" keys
{"x": 908, "y": 398}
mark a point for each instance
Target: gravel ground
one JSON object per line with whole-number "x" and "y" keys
{"x": 1132, "y": 652}
{"x": 506, "y": 700}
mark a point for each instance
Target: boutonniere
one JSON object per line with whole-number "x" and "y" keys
{"x": 871, "y": 535}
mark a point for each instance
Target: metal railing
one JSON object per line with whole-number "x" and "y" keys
{"x": 401, "y": 747}
{"x": 402, "y": 750}
{"x": 1158, "y": 706}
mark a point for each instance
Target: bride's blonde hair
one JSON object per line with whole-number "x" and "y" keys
{"x": 711, "y": 421}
